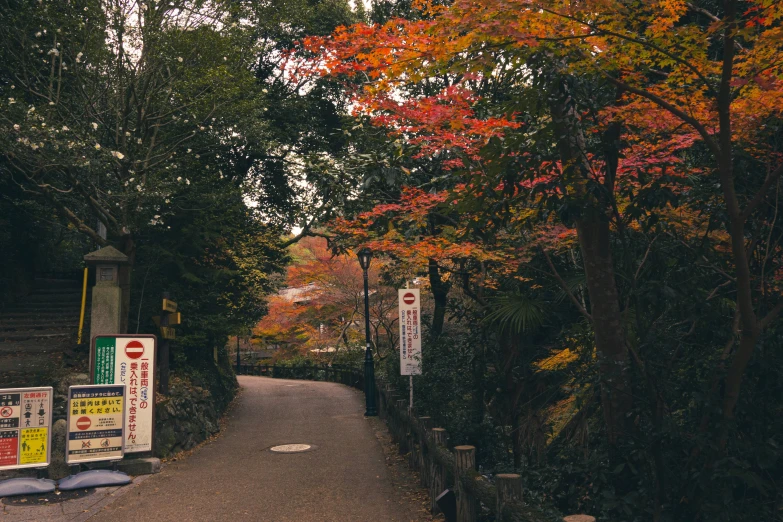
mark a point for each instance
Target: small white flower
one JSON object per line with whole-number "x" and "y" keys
{"x": 38, "y": 34}
{"x": 225, "y": 59}
{"x": 201, "y": 128}
{"x": 185, "y": 121}
{"x": 168, "y": 200}
{"x": 189, "y": 150}
{"x": 127, "y": 134}
{"x": 109, "y": 192}
{"x": 138, "y": 187}
{"x": 157, "y": 216}
{"x": 187, "y": 182}
{"x": 198, "y": 156}
{"x": 11, "y": 101}
{"x": 265, "y": 91}
{"x": 94, "y": 126}
{"x": 33, "y": 146}
{"x": 13, "y": 87}
{"x": 265, "y": 109}
{"x": 31, "y": 109}
{"x": 117, "y": 154}
{"x": 179, "y": 178}
{"x": 97, "y": 146}
{"x": 51, "y": 103}
{"x": 131, "y": 180}
{"x": 65, "y": 129}
{"x": 16, "y": 126}
{"x": 179, "y": 59}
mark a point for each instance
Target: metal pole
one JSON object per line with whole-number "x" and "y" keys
{"x": 369, "y": 368}
{"x": 410, "y": 406}
{"x": 84, "y": 304}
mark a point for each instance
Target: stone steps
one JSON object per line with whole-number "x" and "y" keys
{"x": 35, "y": 334}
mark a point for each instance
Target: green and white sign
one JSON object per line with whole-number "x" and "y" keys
{"x": 129, "y": 360}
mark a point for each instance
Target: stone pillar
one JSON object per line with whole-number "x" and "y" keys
{"x": 106, "y": 315}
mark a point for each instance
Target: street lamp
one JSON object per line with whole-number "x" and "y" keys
{"x": 365, "y": 257}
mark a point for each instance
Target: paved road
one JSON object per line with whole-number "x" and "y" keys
{"x": 237, "y": 478}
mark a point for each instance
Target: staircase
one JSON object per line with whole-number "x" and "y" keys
{"x": 50, "y": 313}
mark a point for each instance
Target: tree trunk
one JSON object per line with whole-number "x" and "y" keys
{"x": 592, "y": 228}
{"x": 128, "y": 247}
{"x": 440, "y": 292}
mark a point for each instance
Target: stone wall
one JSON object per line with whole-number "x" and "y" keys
{"x": 189, "y": 415}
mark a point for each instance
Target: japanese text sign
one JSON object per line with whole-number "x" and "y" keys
{"x": 410, "y": 332}
{"x": 96, "y": 423}
{"x": 25, "y": 427}
{"x": 130, "y": 360}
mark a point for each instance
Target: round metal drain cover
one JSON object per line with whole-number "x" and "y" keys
{"x": 291, "y": 448}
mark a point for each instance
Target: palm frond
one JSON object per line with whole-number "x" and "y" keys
{"x": 516, "y": 313}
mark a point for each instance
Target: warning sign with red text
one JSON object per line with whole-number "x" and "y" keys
{"x": 130, "y": 360}
{"x": 96, "y": 423}
{"x": 410, "y": 332}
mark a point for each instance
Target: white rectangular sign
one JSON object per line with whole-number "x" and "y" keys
{"x": 96, "y": 422}
{"x": 130, "y": 360}
{"x": 410, "y": 332}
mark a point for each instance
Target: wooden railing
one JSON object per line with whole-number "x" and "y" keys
{"x": 426, "y": 446}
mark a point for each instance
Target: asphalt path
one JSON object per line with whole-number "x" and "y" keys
{"x": 237, "y": 477}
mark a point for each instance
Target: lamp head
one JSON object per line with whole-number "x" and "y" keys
{"x": 365, "y": 256}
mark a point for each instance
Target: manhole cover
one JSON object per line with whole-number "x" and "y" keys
{"x": 291, "y": 448}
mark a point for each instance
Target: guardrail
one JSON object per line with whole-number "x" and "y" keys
{"x": 455, "y": 487}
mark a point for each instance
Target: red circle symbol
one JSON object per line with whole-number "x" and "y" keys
{"x": 6, "y": 412}
{"x": 134, "y": 349}
{"x": 83, "y": 423}
{"x": 408, "y": 298}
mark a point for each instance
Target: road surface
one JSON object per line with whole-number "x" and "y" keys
{"x": 237, "y": 477}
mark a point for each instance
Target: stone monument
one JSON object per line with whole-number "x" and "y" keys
{"x": 106, "y": 316}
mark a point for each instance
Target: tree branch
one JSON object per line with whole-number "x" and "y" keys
{"x": 565, "y": 286}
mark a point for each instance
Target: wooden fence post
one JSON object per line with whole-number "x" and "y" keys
{"x": 509, "y": 487}
{"x": 402, "y": 428}
{"x": 464, "y": 460}
{"x": 437, "y": 473}
{"x": 425, "y": 424}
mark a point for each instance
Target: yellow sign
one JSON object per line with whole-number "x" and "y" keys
{"x": 32, "y": 446}
{"x": 169, "y": 306}
{"x": 168, "y": 333}
{"x": 175, "y": 319}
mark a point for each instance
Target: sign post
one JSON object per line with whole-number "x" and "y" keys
{"x": 410, "y": 334}
{"x": 129, "y": 360}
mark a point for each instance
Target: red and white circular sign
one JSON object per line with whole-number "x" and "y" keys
{"x": 6, "y": 412}
{"x": 83, "y": 423}
{"x": 408, "y": 298}
{"x": 134, "y": 349}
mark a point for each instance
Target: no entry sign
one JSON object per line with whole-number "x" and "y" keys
{"x": 96, "y": 423}
{"x": 410, "y": 332}
{"x": 130, "y": 360}
{"x": 25, "y": 422}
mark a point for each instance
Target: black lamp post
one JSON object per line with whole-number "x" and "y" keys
{"x": 365, "y": 256}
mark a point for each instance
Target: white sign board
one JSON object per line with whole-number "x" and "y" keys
{"x": 25, "y": 427}
{"x": 130, "y": 360}
{"x": 410, "y": 332}
{"x": 96, "y": 422}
